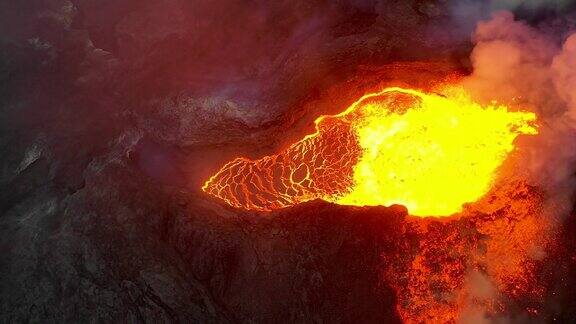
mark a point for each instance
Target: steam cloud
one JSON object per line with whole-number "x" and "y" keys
{"x": 516, "y": 62}
{"x": 533, "y": 68}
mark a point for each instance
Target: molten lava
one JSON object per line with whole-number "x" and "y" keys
{"x": 431, "y": 153}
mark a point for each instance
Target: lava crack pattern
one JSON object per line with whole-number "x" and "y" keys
{"x": 386, "y": 148}
{"x": 316, "y": 167}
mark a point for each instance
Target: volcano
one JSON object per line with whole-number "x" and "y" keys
{"x": 302, "y": 161}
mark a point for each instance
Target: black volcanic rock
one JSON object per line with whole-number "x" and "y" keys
{"x": 315, "y": 261}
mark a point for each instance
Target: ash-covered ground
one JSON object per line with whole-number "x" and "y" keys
{"x": 113, "y": 113}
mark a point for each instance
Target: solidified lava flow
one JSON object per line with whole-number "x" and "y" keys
{"x": 429, "y": 152}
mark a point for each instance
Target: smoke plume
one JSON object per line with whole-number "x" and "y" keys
{"x": 531, "y": 68}
{"x": 521, "y": 65}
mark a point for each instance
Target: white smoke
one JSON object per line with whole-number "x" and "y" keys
{"x": 516, "y": 63}
{"x": 564, "y": 77}
{"x": 521, "y": 65}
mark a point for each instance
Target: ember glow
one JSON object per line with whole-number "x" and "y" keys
{"x": 386, "y": 148}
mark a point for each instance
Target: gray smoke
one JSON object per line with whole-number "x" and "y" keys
{"x": 529, "y": 67}
{"x": 467, "y": 13}
{"x": 518, "y": 64}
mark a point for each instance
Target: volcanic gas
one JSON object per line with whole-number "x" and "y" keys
{"x": 431, "y": 152}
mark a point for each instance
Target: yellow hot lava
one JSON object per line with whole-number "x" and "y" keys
{"x": 430, "y": 152}
{"x": 435, "y": 156}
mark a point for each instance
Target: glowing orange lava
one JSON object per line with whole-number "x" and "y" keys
{"x": 473, "y": 269}
{"x": 429, "y": 152}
